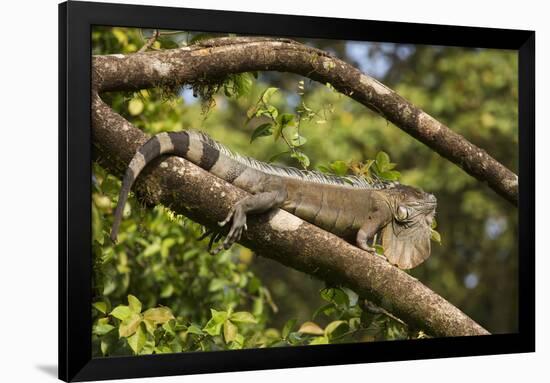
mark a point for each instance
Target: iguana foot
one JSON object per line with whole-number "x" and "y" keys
{"x": 257, "y": 203}
{"x": 366, "y": 247}
{"x": 237, "y": 228}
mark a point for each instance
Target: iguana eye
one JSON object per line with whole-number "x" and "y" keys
{"x": 402, "y": 213}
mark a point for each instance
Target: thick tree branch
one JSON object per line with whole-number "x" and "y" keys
{"x": 189, "y": 190}
{"x": 216, "y": 58}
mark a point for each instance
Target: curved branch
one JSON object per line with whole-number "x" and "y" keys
{"x": 217, "y": 58}
{"x": 189, "y": 190}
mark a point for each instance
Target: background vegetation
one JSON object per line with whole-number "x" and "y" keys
{"x": 158, "y": 290}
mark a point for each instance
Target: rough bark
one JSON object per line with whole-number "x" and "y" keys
{"x": 216, "y": 58}
{"x": 189, "y": 190}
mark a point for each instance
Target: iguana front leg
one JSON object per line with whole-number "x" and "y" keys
{"x": 254, "y": 204}
{"x": 367, "y": 231}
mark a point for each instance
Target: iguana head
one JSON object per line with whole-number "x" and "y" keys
{"x": 406, "y": 239}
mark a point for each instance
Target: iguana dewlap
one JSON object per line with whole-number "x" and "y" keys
{"x": 349, "y": 207}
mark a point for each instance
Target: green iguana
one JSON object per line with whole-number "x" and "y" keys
{"x": 350, "y": 207}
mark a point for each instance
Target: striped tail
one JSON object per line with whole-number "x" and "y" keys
{"x": 192, "y": 145}
{"x": 177, "y": 143}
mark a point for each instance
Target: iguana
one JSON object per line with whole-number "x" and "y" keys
{"x": 350, "y": 207}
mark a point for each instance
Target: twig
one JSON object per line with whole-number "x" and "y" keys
{"x": 150, "y": 41}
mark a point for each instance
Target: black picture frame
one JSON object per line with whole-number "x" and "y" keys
{"x": 75, "y": 260}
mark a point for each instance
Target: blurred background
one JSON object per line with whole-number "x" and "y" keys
{"x": 473, "y": 91}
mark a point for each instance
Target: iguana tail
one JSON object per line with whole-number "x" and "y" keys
{"x": 194, "y": 146}
{"x": 163, "y": 143}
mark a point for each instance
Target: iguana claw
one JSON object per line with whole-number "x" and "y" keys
{"x": 227, "y": 219}
{"x": 236, "y": 231}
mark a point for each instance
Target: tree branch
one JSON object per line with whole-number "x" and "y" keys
{"x": 216, "y": 58}
{"x": 189, "y": 190}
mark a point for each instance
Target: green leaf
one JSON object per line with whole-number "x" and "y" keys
{"x": 353, "y": 298}
{"x": 327, "y": 309}
{"x": 163, "y": 349}
{"x": 169, "y": 327}
{"x": 253, "y": 285}
{"x": 110, "y": 185}
{"x": 218, "y": 316}
{"x": 289, "y": 325}
{"x": 121, "y": 312}
{"x": 294, "y": 338}
{"x": 150, "y": 326}
{"x": 152, "y": 249}
{"x": 263, "y": 130}
{"x": 102, "y": 329}
{"x": 339, "y": 168}
{"x": 390, "y": 175}
{"x": 319, "y": 340}
{"x": 311, "y": 328}
{"x": 137, "y": 341}
{"x": 242, "y": 83}
{"x": 158, "y": 315}
{"x": 100, "y": 306}
{"x": 104, "y": 346}
{"x": 217, "y": 284}
{"x": 229, "y": 331}
{"x": 301, "y": 157}
{"x": 266, "y": 95}
{"x": 268, "y": 111}
{"x": 167, "y": 291}
{"x": 243, "y": 317}
{"x": 237, "y": 343}
{"x": 148, "y": 347}
{"x": 382, "y": 161}
{"x": 97, "y": 225}
{"x": 336, "y": 296}
{"x": 167, "y": 243}
{"x": 190, "y": 254}
{"x": 354, "y": 323}
{"x": 213, "y": 328}
{"x": 297, "y": 140}
{"x": 129, "y": 325}
{"x": 435, "y": 236}
{"x": 214, "y": 325}
{"x": 135, "y": 304}
{"x": 135, "y": 106}
{"x": 333, "y": 326}
{"x": 194, "y": 330}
